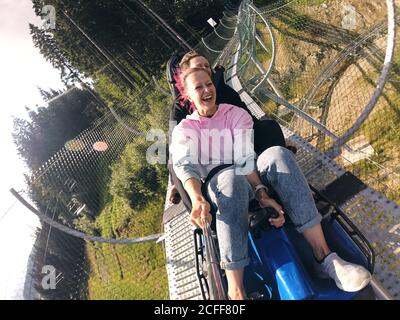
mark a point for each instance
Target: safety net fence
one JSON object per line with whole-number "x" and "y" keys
{"x": 327, "y": 71}
{"x": 101, "y": 197}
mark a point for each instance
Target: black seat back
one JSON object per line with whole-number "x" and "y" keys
{"x": 172, "y": 66}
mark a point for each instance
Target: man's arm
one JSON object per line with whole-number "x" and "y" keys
{"x": 264, "y": 200}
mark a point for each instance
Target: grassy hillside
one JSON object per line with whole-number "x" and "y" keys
{"x": 133, "y": 207}
{"x": 135, "y": 271}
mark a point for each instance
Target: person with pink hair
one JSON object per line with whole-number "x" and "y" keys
{"x": 195, "y": 153}
{"x": 267, "y": 132}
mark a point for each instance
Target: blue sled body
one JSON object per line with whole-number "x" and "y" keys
{"x": 282, "y": 264}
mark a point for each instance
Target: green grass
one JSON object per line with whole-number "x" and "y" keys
{"x": 310, "y": 2}
{"x": 134, "y": 271}
{"x": 381, "y": 130}
{"x": 382, "y": 126}
{"x": 130, "y": 271}
{"x": 304, "y": 2}
{"x": 263, "y": 56}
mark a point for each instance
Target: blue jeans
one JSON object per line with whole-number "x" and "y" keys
{"x": 230, "y": 194}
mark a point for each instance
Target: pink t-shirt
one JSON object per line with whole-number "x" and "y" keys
{"x": 201, "y": 143}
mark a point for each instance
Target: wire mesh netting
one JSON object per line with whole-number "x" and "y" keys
{"x": 100, "y": 197}
{"x": 326, "y": 58}
{"x": 214, "y": 43}
{"x": 100, "y": 194}
{"x": 85, "y": 249}
{"x": 64, "y": 267}
{"x": 330, "y": 83}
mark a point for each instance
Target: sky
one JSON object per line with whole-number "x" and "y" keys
{"x": 22, "y": 70}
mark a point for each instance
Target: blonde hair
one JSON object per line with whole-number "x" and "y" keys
{"x": 185, "y": 61}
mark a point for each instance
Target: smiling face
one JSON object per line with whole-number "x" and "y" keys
{"x": 201, "y": 91}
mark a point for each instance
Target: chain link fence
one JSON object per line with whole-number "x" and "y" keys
{"x": 333, "y": 69}
{"x": 91, "y": 197}
{"x": 99, "y": 199}
{"x": 326, "y": 59}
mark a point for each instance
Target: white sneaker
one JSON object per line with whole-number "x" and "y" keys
{"x": 348, "y": 276}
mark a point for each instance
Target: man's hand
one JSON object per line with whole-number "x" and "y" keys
{"x": 266, "y": 201}
{"x": 200, "y": 211}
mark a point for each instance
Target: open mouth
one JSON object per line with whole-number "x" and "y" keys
{"x": 207, "y": 98}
